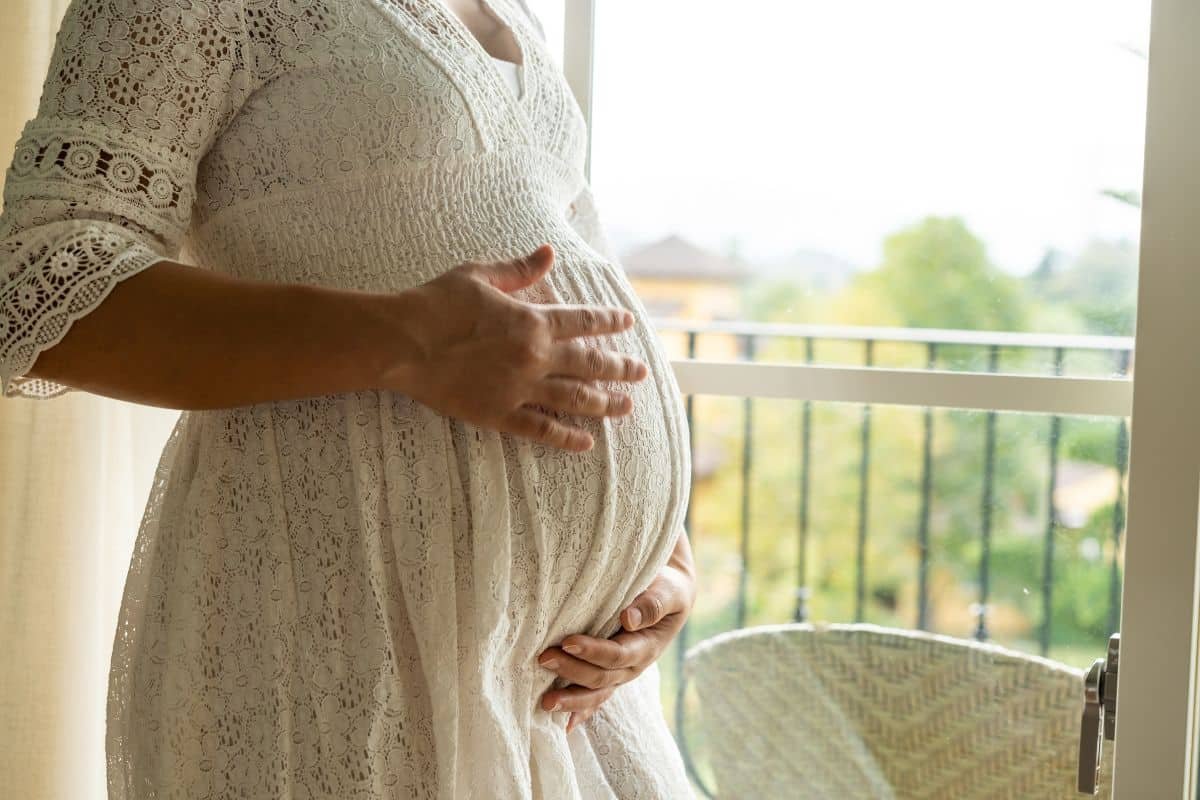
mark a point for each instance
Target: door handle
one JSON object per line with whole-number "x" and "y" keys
{"x": 1099, "y": 720}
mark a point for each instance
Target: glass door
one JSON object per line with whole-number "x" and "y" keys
{"x": 926, "y": 271}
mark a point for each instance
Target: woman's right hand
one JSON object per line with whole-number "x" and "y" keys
{"x": 483, "y": 356}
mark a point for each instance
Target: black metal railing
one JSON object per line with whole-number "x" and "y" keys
{"x": 992, "y": 348}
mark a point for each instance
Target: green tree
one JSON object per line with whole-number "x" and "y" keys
{"x": 936, "y": 274}
{"x": 1099, "y": 284}
{"x": 776, "y": 301}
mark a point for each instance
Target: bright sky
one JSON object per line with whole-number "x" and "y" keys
{"x": 792, "y": 124}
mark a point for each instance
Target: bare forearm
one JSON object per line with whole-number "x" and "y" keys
{"x": 177, "y": 336}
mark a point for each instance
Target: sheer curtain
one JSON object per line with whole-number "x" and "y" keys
{"x": 75, "y": 473}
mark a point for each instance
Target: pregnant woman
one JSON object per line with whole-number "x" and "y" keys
{"x": 431, "y": 455}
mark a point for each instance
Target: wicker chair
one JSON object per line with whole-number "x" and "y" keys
{"x": 859, "y": 711}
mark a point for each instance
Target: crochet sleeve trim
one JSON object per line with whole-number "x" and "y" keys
{"x": 102, "y": 182}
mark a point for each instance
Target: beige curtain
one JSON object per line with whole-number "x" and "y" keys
{"x": 75, "y": 474}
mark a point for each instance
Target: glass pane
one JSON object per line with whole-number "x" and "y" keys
{"x": 920, "y": 164}
{"x": 920, "y": 185}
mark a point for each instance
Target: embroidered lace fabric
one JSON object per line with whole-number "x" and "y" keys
{"x": 344, "y": 596}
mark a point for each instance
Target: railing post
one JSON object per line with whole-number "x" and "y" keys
{"x": 747, "y": 456}
{"x": 1051, "y": 521}
{"x": 681, "y": 651}
{"x": 926, "y": 504}
{"x": 687, "y": 526}
{"x": 860, "y": 582}
{"x": 985, "y": 511}
{"x": 802, "y": 590}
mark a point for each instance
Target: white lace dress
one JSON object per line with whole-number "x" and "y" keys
{"x": 344, "y": 596}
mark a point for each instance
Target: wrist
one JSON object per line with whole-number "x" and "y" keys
{"x": 681, "y": 556}
{"x": 367, "y": 340}
{"x": 683, "y": 587}
{"x": 396, "y": 338}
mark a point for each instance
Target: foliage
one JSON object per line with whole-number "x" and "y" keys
{"x": 937, "y": 275}
{"x": 778, "y": 300}
{"x": 1100, "y": 285}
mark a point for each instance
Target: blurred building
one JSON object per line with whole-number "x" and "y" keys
{"x": 1083, "y": 488}
{"x": 676, "y": 279}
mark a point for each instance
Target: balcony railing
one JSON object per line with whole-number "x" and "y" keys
{"x": 1052, "y": 375}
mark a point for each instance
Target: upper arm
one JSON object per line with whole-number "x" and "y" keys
{"x": 103, "y": 178}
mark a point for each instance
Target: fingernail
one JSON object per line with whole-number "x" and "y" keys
{"x": 557, "y": 706}
{"x": 573, "y": 649}
{"x": 550, "y": 663}
{"x": 635, "y": 618}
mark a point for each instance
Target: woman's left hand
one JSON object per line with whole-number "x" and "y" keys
{"x": 598, "y": 666}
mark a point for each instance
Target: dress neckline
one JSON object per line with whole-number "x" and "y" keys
{"x": 492, "y": 10}
{"x": 489, "y": 84}
{"x": 513, "y": 75}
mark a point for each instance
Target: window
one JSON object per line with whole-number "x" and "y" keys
{"x": 871, "y": 185}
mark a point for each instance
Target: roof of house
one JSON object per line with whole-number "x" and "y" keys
{"x": 677, "y": 258}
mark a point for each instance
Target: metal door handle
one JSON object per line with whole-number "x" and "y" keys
{"x": 1099, "y": 721}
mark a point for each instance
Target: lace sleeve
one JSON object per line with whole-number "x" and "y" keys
{"x": 102, "y": 182}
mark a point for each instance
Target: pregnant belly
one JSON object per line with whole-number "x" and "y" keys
{"x": 617, "y": 507}
{"x": 599, "y": 523}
